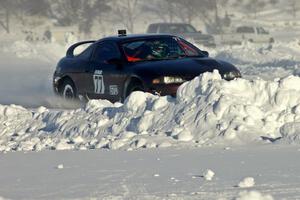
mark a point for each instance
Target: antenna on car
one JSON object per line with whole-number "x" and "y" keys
{"x": 122, "y": 33}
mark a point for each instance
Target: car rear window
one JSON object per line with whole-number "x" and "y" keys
{"x": 83, "y": 51}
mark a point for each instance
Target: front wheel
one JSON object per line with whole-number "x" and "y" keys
{"x": 68, "y": 90}
{"x": 134, "y": 87}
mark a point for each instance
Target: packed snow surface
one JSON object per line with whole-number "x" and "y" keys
{"x": 207, "y": 111}
{"x": 153, "y": 174}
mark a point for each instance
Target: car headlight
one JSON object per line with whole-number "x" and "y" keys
{"x": 231, "y": 75}
{"x": 168, "y": 80}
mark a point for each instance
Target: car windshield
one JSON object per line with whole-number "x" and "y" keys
{"x": 159, "y": 49}
{"x": 177, "y": 28}
{"x": 261, "y": 30}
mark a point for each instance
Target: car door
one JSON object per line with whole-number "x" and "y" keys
{"x": 106, "y": 78}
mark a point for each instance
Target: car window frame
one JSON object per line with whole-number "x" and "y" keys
{"x": 191, "y": 45}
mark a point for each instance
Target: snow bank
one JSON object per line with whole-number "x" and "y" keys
{"x": 207, "y": 110}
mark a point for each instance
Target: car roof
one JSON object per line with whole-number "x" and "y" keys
{"x": 169, "y": 23}
{"x": 129, "y": 37}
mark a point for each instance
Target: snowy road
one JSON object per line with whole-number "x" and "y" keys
{"x": 151, "y": 174}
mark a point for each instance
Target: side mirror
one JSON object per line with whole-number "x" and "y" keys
{"x": 200, "y": 32}
{"x": 205, "y": 53}
{"x": 115, "y": 61}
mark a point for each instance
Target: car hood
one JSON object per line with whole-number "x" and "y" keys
{"x": 187, "y": 68}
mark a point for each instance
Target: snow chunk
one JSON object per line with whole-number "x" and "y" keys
{"x": 41, "y": 109}
{"x": 60, "y": 166}
{"x": 160, "y": 103}
{"x": 77, "y": 140}
{"x": 184, "y": 136}
{"x": 208, "y": 175}
{"x": 247, "y": 182}
{"x": 253, "y": 195}
{"x": 136, "y": 100}
{"x": 97, "y": 104}
{"x": 141, "y": 143}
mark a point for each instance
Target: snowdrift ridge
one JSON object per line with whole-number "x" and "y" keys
{"x": 208, "y": 110}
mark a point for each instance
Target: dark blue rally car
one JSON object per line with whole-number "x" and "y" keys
{"x": 113, "y": 67}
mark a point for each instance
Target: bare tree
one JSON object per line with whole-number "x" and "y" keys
{"x": 82, "y": 13}
{"x": 189, "y": 10}
{"x": 254, "y": 6}
{"x": 163, "y": 9}
{"x": 294, "y": 7}
{"x": 5, "y": 8}
{"x": 126, "y": 12}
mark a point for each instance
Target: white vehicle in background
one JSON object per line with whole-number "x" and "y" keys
{"x": 255, "y": 34}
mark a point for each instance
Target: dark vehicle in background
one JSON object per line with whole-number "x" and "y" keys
{"x": 186, "y": 31}
{"x": 113, "y": 67}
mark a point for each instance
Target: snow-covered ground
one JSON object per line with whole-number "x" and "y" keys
{"x": 153, "y": 174}
{"x": 216, "y": 140}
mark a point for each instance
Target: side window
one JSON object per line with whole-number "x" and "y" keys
{"x": 106, "y": 51}
{"x": 85, "y": 54}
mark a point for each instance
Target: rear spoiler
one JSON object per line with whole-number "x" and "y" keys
{"x": 70, "y": 51}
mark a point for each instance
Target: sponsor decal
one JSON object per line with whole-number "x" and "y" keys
{"x": 113, "y": 90}
{"x": 98, "y": 82}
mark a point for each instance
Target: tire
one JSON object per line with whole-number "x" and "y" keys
{"x": 67, "y": 90}
{"x": 251, "y": 40}
{"x": 134, "y": 87}
{"x": 271, "y": 40}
